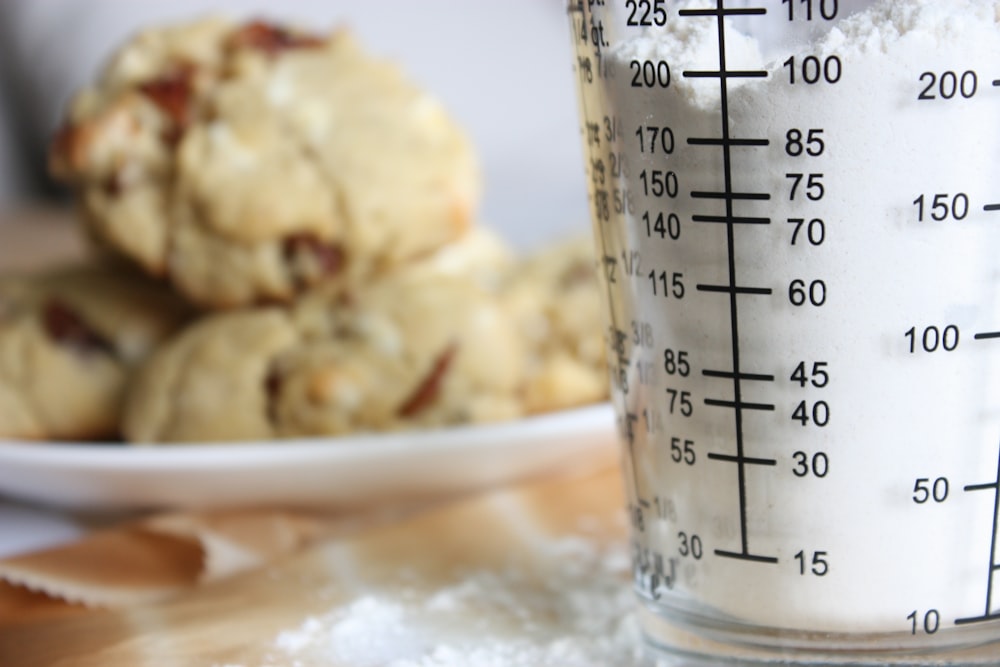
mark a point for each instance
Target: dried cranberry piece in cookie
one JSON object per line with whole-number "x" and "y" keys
{"x": 112, "y": 185}
{"x": 271, "y": 39}
{"x": 580, "y": 272}
{"x": 172, "y": 94}
{"x": 68, "y": 149}
{"x": 311, "y": 259}
{"x": 273, "y": 382}
{"x": 427, "y": 391}
{"x": 65, "y": 326}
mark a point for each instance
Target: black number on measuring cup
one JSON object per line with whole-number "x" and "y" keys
{"x": 818, "y": 565}
{"x": 655, "y": 138}
{"x": 659, "y": 183}
{"x": 680, "y": 402}
{"x": 944, "y": 207}
{"x": 800, "y": 294}
{"x": 665, "y": 284}
{"x": 646, "y": 13}
{"x": 924, "y": 489}
{"x": 817, "y": 377}
{"x": 817, "y": 465}
{"x": 682, "y": 450}
{"x": 948, "y": 84}
{"x": 676, "y": 363}
{"x": 818, "y": 414}
{"x": 812, "y": 70}
{"x": 809, "y": 142}
{"x": 931, "y": 621}
{"x": 813, "y": 186}
{"x": 932, "y": 339}
{"x": 664, "y": 226}
{"x": 650, "y": 73}
{"x": 814, "y": 230}
{"x": 825, "y": 9}
{"x": 689, "y": 546}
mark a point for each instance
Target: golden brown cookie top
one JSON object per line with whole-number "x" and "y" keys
{"x": 284, "y": 157}
{"x": 415, "y": 350}
{"x": 553, "y": 296}
{"x": 69, "y": 339}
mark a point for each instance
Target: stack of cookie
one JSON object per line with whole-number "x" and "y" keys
{"x": 305, "y": 220}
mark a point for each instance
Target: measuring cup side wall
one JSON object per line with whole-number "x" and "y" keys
{"x": 817, "y": 318}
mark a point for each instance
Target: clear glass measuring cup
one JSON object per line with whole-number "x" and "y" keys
{"x": 796, "y": 205}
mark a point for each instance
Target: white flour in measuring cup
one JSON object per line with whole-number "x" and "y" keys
{"x": 853, "y": 551}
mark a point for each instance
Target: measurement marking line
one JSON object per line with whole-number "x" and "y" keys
{"x": 985, "y": 335}
{"x": 739, "y": 555}
{"x": 720, "y": 403}
{"x": 980, "y": 487}
{"x": 728, "y": 74}
{"x": 736, "y": 220}
{"x": 743, "y": 376}
{"x": 613, "y": 316}
{"x": 991, "y": 207}
{"x": 710, "y": 141}
{"x": 733, "y": 11}
{"x": 993, "y": 539}
{"x": 729, "y": 196}
{"x": 992, "y": 569}
{"x": 977, "y": 619}
{"x": 745, "y": 459}
{"x": 734, "y": 329}
{"x": 732, "y": 289}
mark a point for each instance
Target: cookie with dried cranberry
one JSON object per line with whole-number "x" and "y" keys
{"x": 69, "y": 340}
{"x": 412, "y": 350}
{"x": 251, "y": 162}
{"x": 553, "y": 296}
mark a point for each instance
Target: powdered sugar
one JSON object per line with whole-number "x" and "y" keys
{"x": 573, "y": 610}
{"x": 370, "y": 631}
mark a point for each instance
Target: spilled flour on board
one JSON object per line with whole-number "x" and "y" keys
{"x": 575, "y": 612}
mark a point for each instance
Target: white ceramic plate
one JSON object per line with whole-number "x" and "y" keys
{"x": 330, "y": 472}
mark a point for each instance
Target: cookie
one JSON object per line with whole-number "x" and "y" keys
{"x": 69, "y": 340}
{"x": 249, "y": 163}
{"x": 409, "y": 351}
{"x": 552, "y": 295}
{"x": 480, "y": 256}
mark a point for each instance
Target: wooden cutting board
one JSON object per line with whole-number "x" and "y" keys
{"x": 539, "y": 570}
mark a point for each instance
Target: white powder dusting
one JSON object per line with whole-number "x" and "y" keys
{"x": 371, "y": 631}
{"x": 577, "y": 612}
{"x": 878, "y": 94}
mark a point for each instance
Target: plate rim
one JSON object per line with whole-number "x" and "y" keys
{"x": 243, "y": 453}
